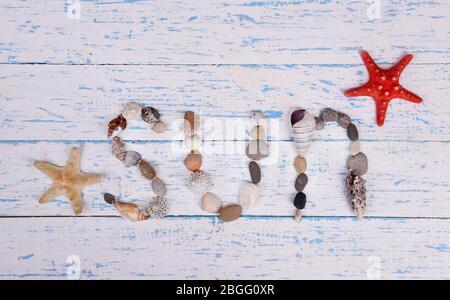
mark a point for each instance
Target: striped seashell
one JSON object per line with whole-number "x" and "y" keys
{"x": 303, "y": 125}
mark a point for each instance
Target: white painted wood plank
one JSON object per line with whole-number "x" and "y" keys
{"x": 203, "y": 248}
{"x": 404, "y": 178}
{"x": 211, "y": 32}
{"x": 77, "y": 102}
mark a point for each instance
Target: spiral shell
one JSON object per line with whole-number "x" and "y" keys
{"x": 131, "y": 211}
{"x": 118, "y": 148}
{"x": 303, "y": 124}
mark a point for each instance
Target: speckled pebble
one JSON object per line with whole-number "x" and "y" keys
{"x": 257, "y": 150}
{"x": 343, "y": 120}
{"x": 230, "y": 213}
{"x": 159, "y": 187}
{"x": 358, "y": 163}
{"x": 355, "y": 147}
{"x": 131, "y": 110}
{"x": 132, "y": 158}
{"x": 320, "y": 124}
{"x": 255, "y": 172}
{"x": 211, "y": 203}
{"x": 150, "y": 115}
{"x": 301, "y": 182}
{"x": 258, "y": 133}
{"x": 352, "y": 132}
{"x": 199, "y": 182}
{"x": 300, "y": 164}
{"x": 147, "y": 170}
{"x": 329, "y": 115}
{"x": 300, "y": 200}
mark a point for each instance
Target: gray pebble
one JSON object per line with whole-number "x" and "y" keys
{"x": 319, "y": 123}
{"x": 343, "y": 120}
{"x": 257, "y": 150}
{"x": 352, "y": 132}
{"x": 301, "y": 182}
{"x": 329, "y": 115}
{"x": 358, "y": 163}
{"x": 132, "y": 158}
{"x": 158, "y": 187}
{"x": 255, "y": 172}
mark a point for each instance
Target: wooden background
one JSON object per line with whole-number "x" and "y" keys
{"x": 67, "y": 68}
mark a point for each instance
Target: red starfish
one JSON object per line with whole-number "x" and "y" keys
{"x": 383, "y": 85}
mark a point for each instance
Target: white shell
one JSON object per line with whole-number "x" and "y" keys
{"x": 131, "y": 110}
{"x": 211, "y": 203}
{"x": 303, "y": 132}
{"x": 249, "y": 195}
{"x": 199, "y": 182}
{"x": 193, "y": 142}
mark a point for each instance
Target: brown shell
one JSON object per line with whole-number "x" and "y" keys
{"x": 131, "y": 211}
{"x": 119, "y": 123}
{"x": 193, "y": 161}
{"x": 147, "y": 170}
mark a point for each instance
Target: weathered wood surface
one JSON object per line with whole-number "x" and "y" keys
{"x": 76, "y": 102}
{"x": 212, "y": 32}
{"x": 203, "y": 248}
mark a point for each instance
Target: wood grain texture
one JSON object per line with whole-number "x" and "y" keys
{"x": 77, "y": 102}
{"x": 260, "y": 248}
{"x": 212, "y": 32}
{"x": 398, "y": 183}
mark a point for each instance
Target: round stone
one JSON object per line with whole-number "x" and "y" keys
{"x": 193, "y": 161}
{"x": 257, "y": 150}
{"x": 147, "y": 170}
{"x": 199, "y": 182}
{"x": 255, "y": 172}
{"x": 301, "y": 182}
{"x": 329, "y": 115}
{"x": 258, "y": 133}
{"x": 343, "y": 120}
{"x": 320, "y": 124}
{"x": 159, "y": 127}
{"x": 109, "y": 198}
{"x": 352, "y": 132}
{"x": 159, "y": 187}
{"x": 300, "y": 200}
{"x": 249, "y": 195}
{"x": 132, "y": 158}
{"x": 150, "y": 115}
{"x": 358, "y": 163}
{"x": 211, "y": 203}
{"x": 300, "y": 164}
{"x": 131, "y": 110}
{"x": 230, "y": 213}
{"x": 355, "y": 147}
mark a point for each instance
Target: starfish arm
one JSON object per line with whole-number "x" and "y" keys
{"x": 381, "y": 107}
{"x": 401, "y": 65}
{"x": 408, "y": 96}
{"x": 370, "y": 64}
{"x": 50, "y": 194}
{"x": 74, "y": 195}
{"x": 87, "y": 178}
{"x": 73, "y": 163}
{"x": 358, "y": 91}
{"x": 50, "y": 170}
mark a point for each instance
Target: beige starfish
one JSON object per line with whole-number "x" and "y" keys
{"x": 67, "y": 180}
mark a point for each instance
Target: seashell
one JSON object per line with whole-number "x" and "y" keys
{"x": 115, "y": 126}
{"x": 255, "y": 172}
{"x": 193, "y": 161}
{"x": 158, "y": 208}
{"x": 118, "y": 148}
{"x": 130, "y": 211}
{"x": 131, "y": 110}
{"x": 356, "y": 193}
{"x": 193, "y": 142}
{"x": 249, "y": 195}
{"x": 329, "y": 115}
{"x": 258, "y": 133}
{"x": 147, "y": 170}
{"x": 159, "y": 127}
{"x": 132, "y": 158}
{"x": 159, "y": 187}
{"x": 199, "y": 182}
{"x": 230, "y": 213}
{"x": 257, "y": 150}
{"x": 298, "y": 216}
{"x": 150, "y": 115}
{"x": 302, "y": 130}
{"x": 210, "y": 202}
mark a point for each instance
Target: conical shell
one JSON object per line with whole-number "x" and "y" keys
{"x": 302, "y": 130}
{"x": 131, "y": 211}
